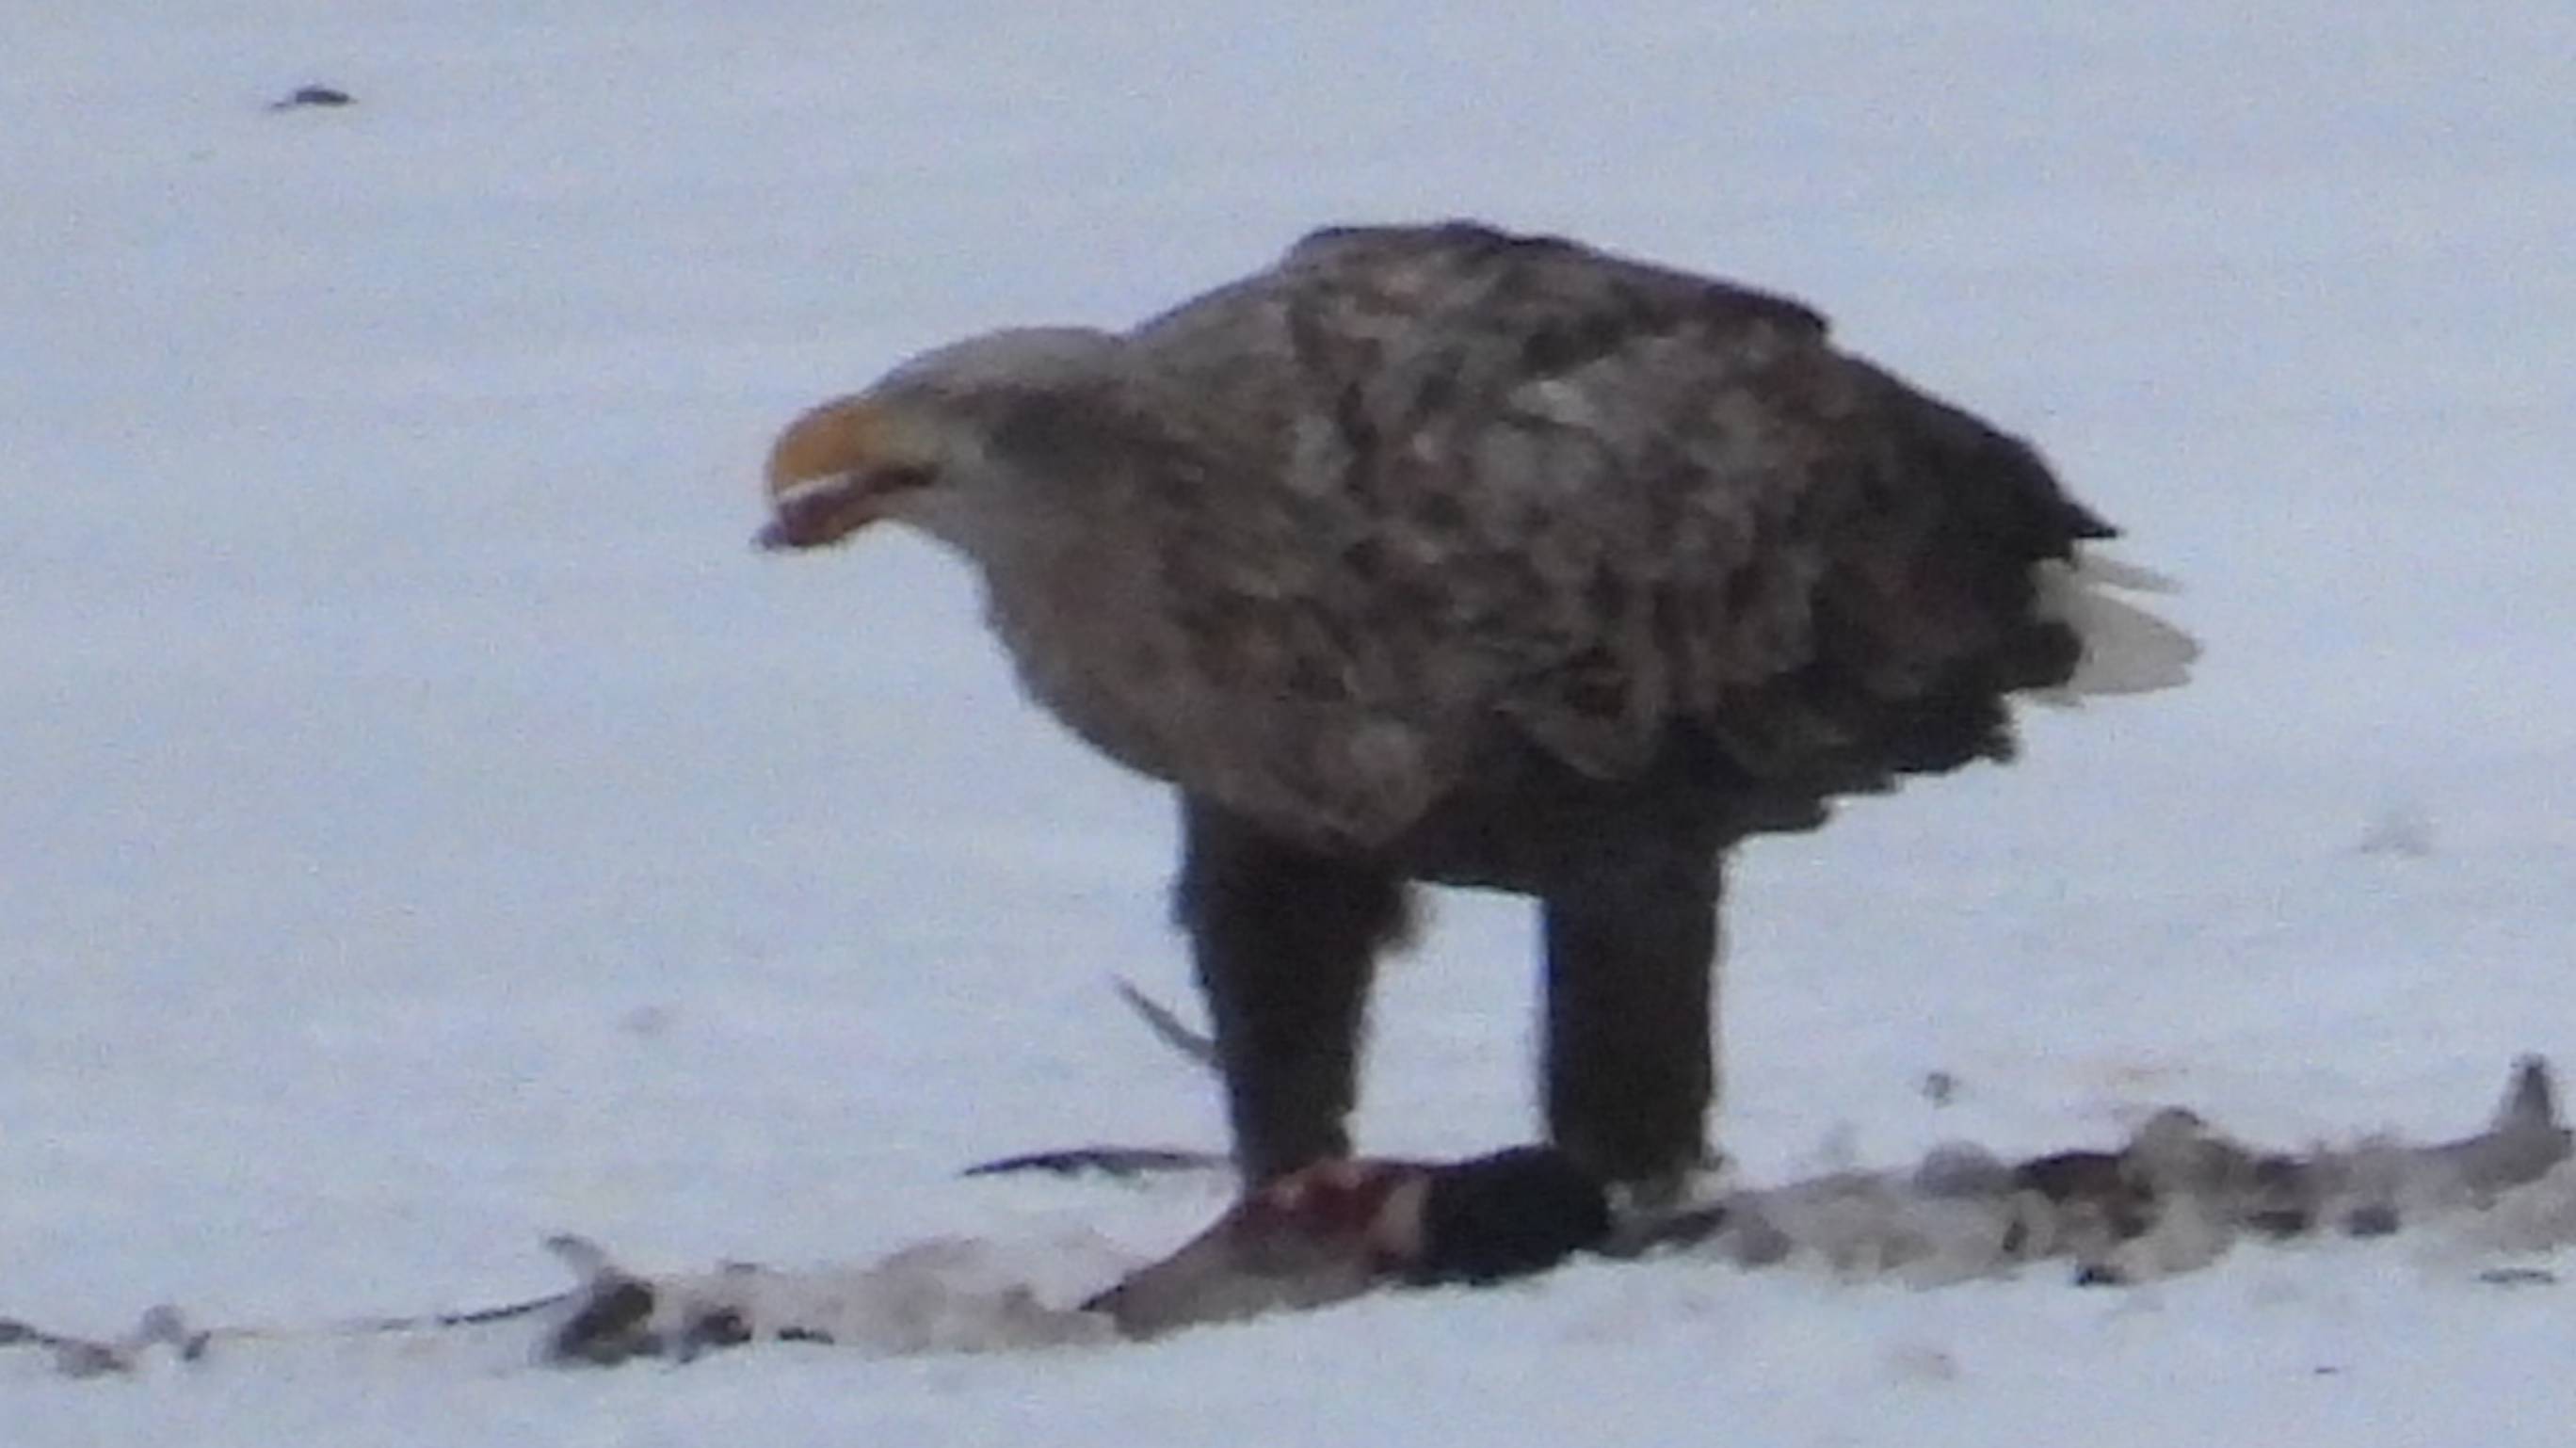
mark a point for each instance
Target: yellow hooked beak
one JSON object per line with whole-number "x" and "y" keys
{"x": 834, "y": 470}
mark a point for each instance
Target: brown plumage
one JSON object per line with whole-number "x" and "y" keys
{"x": 1445, "y": 554}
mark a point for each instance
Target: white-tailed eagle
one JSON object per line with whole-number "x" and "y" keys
{"x": 1443, "y": 554}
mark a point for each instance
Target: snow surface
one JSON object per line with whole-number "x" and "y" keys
{"x": 430, "y": 827}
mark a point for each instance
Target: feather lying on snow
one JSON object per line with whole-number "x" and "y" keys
{"x": 1167, "y": 1027}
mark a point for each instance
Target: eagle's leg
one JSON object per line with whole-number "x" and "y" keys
{"x": 1286, "y": 940}
{"x": 1631, "y": 966}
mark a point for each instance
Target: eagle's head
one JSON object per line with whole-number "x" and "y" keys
{"x": 952, "y": 438}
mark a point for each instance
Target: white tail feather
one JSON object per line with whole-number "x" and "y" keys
{"x": 2127, "y": 650}
{"x": 2104, "y": 571}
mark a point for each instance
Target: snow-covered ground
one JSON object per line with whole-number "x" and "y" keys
{"x": 428, "y": 826}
